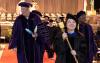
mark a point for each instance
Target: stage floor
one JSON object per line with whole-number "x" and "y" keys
{"x": 9, "y": 56}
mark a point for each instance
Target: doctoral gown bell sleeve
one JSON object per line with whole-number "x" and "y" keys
{"x": 92, "y": 44}
{"x": 14, "y": 38}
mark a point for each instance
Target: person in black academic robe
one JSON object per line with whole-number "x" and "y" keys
{"x": 76, "y": 39}
{"x": 52, "y": 32}
{"x": 27, "y": 46}
{"x": 86, "y": 29}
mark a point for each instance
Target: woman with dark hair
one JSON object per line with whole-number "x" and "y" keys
{"x": 70, "y": 45}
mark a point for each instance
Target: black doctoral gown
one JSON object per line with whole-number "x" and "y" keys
{"x": 28, "y": 49}
{"x": 87, "y": 30}
{"x": 63, "y": 51}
